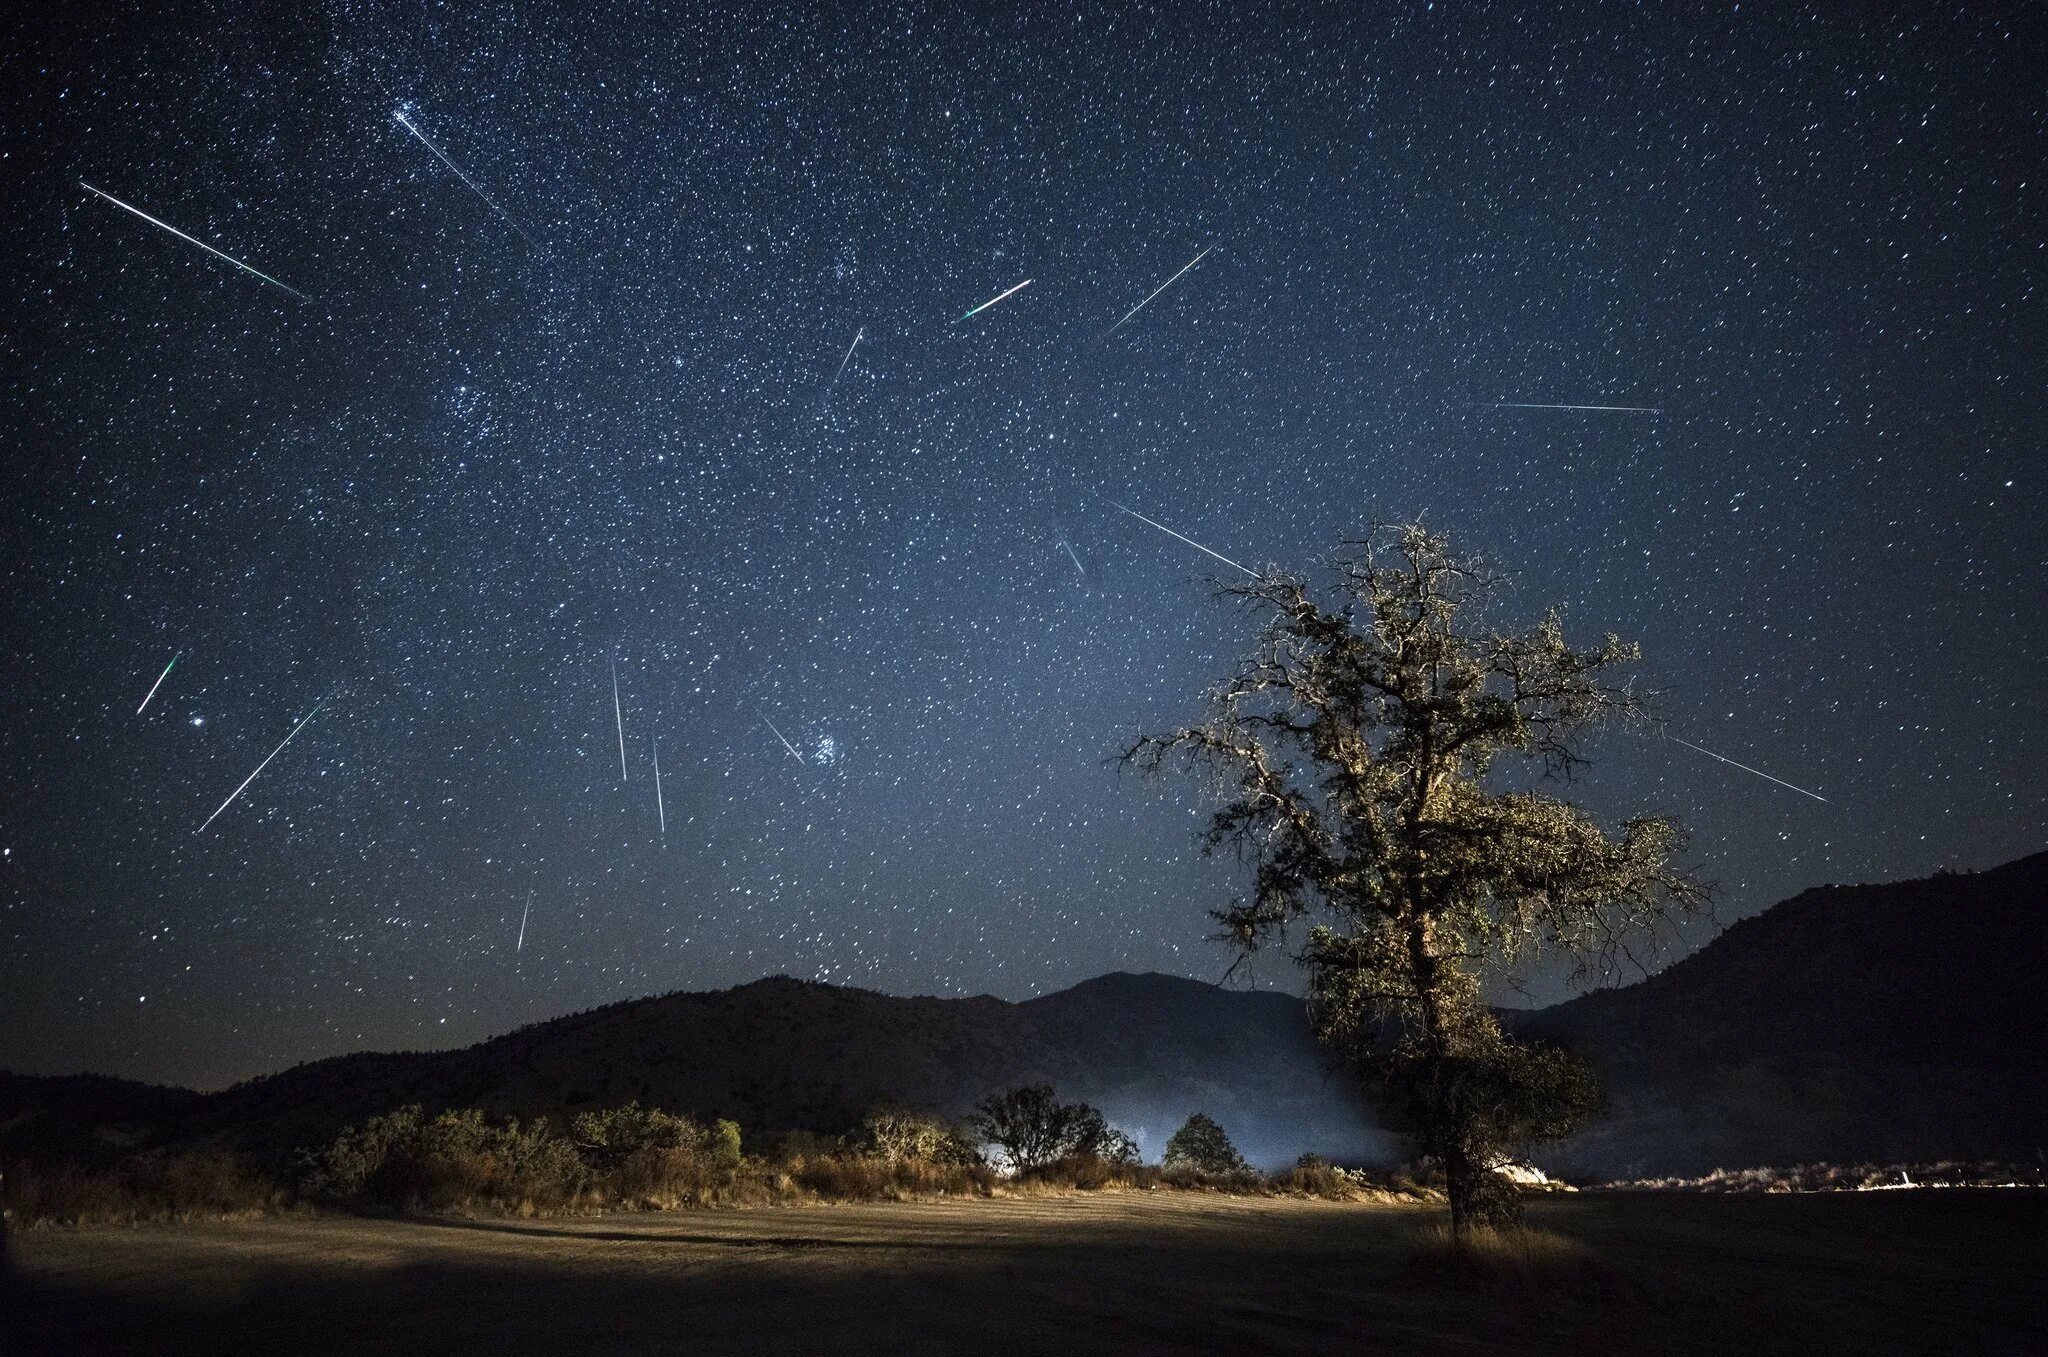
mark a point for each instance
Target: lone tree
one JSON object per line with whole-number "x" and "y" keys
{"x": 1201, "y": 1144}
{"x": 1356, "y": 745}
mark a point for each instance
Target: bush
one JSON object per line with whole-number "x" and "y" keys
{"x": 896, "y": 1136}
{"x": 406, "y": 1161}
{"x": 1201, "y": 1145}
{"x": 205, "y": 1185}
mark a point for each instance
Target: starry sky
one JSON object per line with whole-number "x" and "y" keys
{"x": 570, "y": 403}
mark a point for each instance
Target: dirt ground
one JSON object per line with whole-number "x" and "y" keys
{"x": 1929, "y": 1271}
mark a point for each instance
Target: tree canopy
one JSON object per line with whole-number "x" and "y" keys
{"x": 1361, "y": 750}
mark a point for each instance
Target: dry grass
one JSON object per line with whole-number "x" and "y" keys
{"x": 1519, "y": 1255}
{"x": 179, "y": 1187}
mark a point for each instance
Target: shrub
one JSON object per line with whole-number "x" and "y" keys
{"x": 204, "y": 1185}
{"x": 407, "y": 1161}
{"x": 1201, "y": 1145}
{"x": 896, "y": 1136}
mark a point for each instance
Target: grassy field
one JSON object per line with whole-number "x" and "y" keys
{"x": 1931, "y": 1271}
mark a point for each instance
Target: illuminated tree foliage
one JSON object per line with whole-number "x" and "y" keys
{"x": 1361, "y": 747}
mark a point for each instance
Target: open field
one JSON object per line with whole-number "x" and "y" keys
{"x": 1950, "y": 1271}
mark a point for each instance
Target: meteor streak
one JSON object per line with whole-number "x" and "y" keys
{"x": 1747, "y": 769}
{"x": 1171, "y": 533}
{"x": 521, "y": 944}
{"x": 158, "y": 684}
{"x": 620, "y": 717}
{"x": 1155, "y": 292}
{"x": 1528, "y": 405}
{"x": 659, "y": 809}
{"x": 1079, "y": 569}
{"x": 785, "y": 741}
{"x": 153, "y": 221}
{"x": 407, "y": 124}
{"x": 261, "y": 766}
{"x": 857, "y": 334}
{"x": 993, "y": 300}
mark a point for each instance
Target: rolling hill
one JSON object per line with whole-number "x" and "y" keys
{"x": 1889, "y": 1022}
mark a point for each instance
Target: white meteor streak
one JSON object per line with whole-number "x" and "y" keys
{"x": 619, "y": 716}
{"x": 153, "y": 221}
{"x": 1171, "y": 533}
{"x": 857, "y": 334}
{"x": 1082, "y": 570}
{"x": 407, "y": 124}
{"x": 659, "y": 809}
{"x": 785, "y": 741}
{"x": 1156, "y": 291}
{"x": 993, "y": 300}
{"x": 158, "y": 684}
{"x": 261, "y": 766}
{"x": 1530, "y": 405}
{"x": 1747, "y": 769}
{"x": 521, "y": 944}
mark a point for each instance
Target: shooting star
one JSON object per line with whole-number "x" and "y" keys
{"x": 158, "y": 684}
{"x": 993, "y": 300}
{"x": 1530, "y": 405}
{"x": 619, "y": 716}
{"x": 1155, "y": 292}
{"x": 265, "y": 764}
{"x": 785, "y": 739}
{"x": 521, "y": 944}
{"x": 153, "y": 221}
{"x": 1747, "y": 769}
{"x": 1079, "y": 569}
{"x": 659, "y": 809}
{"x": 1171, "y": 533}
{"x": 407, "y": 124}
{"x": 857, "y": 336}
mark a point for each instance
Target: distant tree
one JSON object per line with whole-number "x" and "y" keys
{"x": 1033, "y": 1128}
{"x": 1356, "y": 746}
{"x": 1201, "y": 1144}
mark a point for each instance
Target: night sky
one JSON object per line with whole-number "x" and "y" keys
{"x": 582, "y": 412}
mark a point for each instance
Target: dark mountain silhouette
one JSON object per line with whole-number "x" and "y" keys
{"x": 82, "y": 1116}
{"x": 1891, "y": 1022}
{"x": 1888, "y": 1023}
{"x": 781, "y": 1054}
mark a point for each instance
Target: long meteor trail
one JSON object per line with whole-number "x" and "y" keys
{"x": 659, "y": 809}
{"x": 158, "y": 684}
{"x": 1156, "y": 291}
{"x": 1531, "y": 405}
{"x": 1747, "y": 769}
{"x": 521, "y": 944}
{"x": 785, "y": 739}
{"x": 993, "y": 300}
{"x": 619, "y": 716}
{"x": 154, "y": 221}
{"x": 261, "y": 766}
{"x": 857, "y": 335}
{"x": 1171, "y": 533}
{"x": 407, "y": 124}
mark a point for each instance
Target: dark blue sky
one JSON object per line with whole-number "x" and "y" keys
{"x": 497, "y": 450}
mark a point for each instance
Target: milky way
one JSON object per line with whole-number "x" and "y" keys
{"x": 474, "y": 473}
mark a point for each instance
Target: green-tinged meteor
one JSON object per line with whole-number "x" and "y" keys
{"x": 158, "y": 684}
{"x": 993, "y": 300}
{"x": 194, "y": 240}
